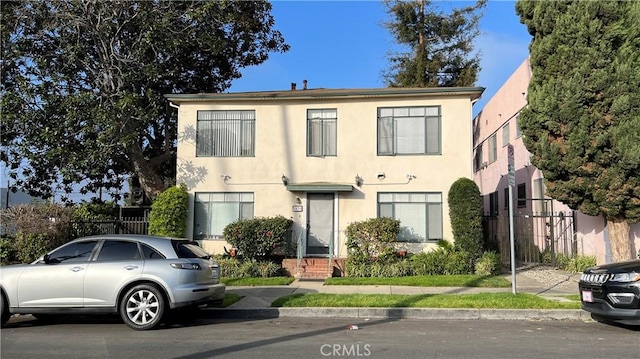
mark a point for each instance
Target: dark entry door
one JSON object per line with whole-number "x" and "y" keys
{"x": 319, "y": 223}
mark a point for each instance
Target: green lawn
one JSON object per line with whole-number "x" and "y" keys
{"x": 229, "y": 298}
{"x": 426, "y": 281}
{"x": 480, "y": 300}
{"x": 253, "y": 281}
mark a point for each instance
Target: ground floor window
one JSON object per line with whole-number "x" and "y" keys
{"x": 215, "y": 210}
{"x": 420, "y": 214}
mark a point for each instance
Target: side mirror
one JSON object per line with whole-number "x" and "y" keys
{"x": 47, "y": 259}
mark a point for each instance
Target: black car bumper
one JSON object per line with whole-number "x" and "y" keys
{"x": 604, "y": 310}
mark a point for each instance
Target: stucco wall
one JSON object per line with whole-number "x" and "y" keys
{"x": 280, "y": 132}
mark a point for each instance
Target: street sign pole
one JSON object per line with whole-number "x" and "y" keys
{"x": 512, "y": 242}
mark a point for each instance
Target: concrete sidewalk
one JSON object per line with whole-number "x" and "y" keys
{"x": 256, "y": 301}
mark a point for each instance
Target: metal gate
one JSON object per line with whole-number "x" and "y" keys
{"x": 538, "y": 236}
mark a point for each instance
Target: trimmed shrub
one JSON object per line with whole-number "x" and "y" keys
{"x": 489, "y": 264}
{"x": 358, "y": 268}
{"x": 372, "y": 238}
{"x": 446, "y": 259}
{"x": 465, "y": 213}
{"x": 168, "y": 216}
{"x": 258, "y": 238}
{"x": 430, "y": 263}
{"x": 229, "y": 268}
{"x": 459, "y": 262}
{"x": 234, "y": 268}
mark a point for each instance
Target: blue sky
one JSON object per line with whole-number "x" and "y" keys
{"x": 342, "y": 44}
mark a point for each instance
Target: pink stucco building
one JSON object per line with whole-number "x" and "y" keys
{"x": 538, "y": 220}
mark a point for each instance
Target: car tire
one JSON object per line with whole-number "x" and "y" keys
{"x": 142, "y": 307}
{"x": 4, "y": 310}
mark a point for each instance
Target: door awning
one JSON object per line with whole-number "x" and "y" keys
{"x": 319, "y": 187}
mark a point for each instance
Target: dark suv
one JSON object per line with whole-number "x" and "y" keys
{"x": 611, "y": 292}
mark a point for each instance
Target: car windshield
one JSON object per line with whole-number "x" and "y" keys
{"x": 186, "y": 249}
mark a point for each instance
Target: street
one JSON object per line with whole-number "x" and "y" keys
{"x": 207, "y": 337}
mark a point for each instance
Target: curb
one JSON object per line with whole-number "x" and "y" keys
{"x": 405, "y": 313}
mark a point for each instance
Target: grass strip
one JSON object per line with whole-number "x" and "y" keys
{"x": 254, "y": 281}
{"x": 477, "y": 301}
{"x": 461, "y": 280}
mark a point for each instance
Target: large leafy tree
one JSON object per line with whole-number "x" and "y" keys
{"x": 83, "y": 83}
{"x": 439, "y": 45}
{"x": 582, "y": 124}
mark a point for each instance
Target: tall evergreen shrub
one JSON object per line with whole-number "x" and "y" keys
{"x": 465, "y": 212}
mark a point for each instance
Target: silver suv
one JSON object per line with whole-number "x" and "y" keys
{"x": 139, "y": 277}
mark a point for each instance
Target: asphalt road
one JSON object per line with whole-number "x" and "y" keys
{"x": 207, "y": 337}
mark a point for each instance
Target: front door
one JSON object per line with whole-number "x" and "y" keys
{"x": 320, "y": 223}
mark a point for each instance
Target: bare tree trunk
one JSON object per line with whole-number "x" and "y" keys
{"x": 619, "y": 238}
{"x": 150, "y": 181}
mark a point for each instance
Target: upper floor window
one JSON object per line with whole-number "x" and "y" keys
{"x": 505, "y": 134}
{"x": 477, "y": 161}
{"x": 409, "y": 130}
{"x": 225, "y": 133}
{"x": 493, "y": 148}
{"x": 322, "y": 132}
{"x": 518, "y": 129}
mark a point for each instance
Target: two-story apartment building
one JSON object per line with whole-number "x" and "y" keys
{"x": 540, "y": 223}
{"x": 324, "y": 158}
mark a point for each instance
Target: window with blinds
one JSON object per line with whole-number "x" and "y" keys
{"x": 226, "y": 133}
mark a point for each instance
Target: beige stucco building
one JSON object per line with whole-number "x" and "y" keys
{"x": 538, "y": 219}
{"x": 324, "y": 158}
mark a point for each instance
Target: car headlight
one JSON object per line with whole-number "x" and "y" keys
{"x": 626, "y": 277}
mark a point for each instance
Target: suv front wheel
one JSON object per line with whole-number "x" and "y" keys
{"x": 4, "y": 310}
{"x": 142, "y": 307}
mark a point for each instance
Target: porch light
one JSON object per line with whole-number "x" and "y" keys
{"x": 285, "y": 180}
{"x": 359, "y": 180}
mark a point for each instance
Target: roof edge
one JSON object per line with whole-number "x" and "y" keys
{"x": 473, "y": 92}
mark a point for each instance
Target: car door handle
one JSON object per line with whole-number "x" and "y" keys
{"x": 76, "y": 269}
{"x": 130, "y": 267}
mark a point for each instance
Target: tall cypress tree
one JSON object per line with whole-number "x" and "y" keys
{"x": 440, "y": 45}
{"x": 582, "y": 124}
